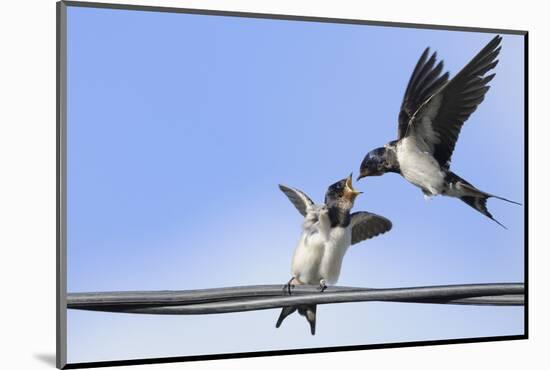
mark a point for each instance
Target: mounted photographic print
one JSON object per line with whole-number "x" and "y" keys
{"x": 239, "y": 184}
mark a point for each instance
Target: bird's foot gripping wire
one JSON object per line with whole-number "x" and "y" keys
{"x": 322, "y": 285}
{"x": 288, "y": 286}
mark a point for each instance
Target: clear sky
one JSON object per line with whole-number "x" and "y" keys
{"x": 181, "y": 126}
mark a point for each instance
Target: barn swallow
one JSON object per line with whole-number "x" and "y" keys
{"x": 431, "y": 117}
{"x": 327, "y": 232}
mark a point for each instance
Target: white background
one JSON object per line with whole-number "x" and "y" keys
{"x": 27, "y": 186}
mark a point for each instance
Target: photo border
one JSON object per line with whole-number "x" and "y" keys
{"x": 61, "y": 185}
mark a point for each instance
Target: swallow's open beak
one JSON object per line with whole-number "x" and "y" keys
{"x": 349, "y": 191}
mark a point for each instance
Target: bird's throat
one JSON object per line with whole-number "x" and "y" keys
{"x": 339, "y": 216}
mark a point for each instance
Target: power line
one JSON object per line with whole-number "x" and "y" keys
{"x": 261, "y": 297}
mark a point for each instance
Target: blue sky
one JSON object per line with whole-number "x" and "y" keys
{"x": 181, "y": 126}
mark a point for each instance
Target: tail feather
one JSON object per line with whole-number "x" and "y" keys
{"x": 480, "y": 204}
{"x": 284, "y": 313}
{"x": 504, "y": 199}
{"x": 472, "y": 196}
{"x": 308, "y": 311}
{"x": 478, "y": 193}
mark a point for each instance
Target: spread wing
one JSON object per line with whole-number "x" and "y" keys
{"x": 438, "y": 121}
{"x": 298, "y": 198}
{"x": 365, "y": 225}
{"x": 425, "y": 80}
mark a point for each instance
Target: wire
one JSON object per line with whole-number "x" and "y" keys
{"x": 261, "y": 297}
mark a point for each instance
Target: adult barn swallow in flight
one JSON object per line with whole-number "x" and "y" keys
{"x": 432, "y": 113}
{"x": 328, "y": 231}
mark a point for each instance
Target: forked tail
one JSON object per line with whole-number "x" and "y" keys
{"x": 479, "y": 202}
{"x": 474, "y": 197}
{"x": 308, "y": 311}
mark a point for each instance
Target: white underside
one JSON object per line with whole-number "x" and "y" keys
{"x": 419, "y": 167}
{"x": 319, "y": 253}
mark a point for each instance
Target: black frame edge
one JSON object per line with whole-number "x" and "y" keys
{"x": 526, "y": 182}
{"x": 222, "y": 356}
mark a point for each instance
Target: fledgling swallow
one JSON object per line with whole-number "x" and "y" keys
{"x": 431, "y": 117}
{"x": 327, "y": 232}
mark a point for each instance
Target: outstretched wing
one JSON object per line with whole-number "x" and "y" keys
{"x": 365, "y": 225}
{"x": 425, "y": 80}
{"x": 438, "y": 121}
{"x": 298, "y": 198}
